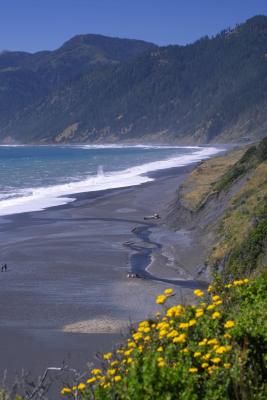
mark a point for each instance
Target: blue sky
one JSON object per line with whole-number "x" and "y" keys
{"x": 33, "y": 25}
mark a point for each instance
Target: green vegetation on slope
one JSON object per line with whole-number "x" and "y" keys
{"x": 242, "y": 237}
{"x": 214, "y": 89}
{"x": 252, "y": 157}
{"x": 227, "y": 196}
{"x": 216, "y": 351}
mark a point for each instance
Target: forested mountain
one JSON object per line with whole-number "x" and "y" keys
{"x": 95, "y": 89}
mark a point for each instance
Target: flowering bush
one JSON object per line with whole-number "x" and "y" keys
{"x": 215, "y": 350}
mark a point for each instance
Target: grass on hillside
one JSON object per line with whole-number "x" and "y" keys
{"x": 242, "y": 236}
{"x": 201, "y": 182}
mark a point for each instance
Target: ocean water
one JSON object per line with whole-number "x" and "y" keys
{"x": 33, "y": 178}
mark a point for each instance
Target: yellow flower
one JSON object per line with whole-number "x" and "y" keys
{"x": 216, "y": 360}
{"x": 131, "y": 345}
{"x": 216, "y": 298}
{"x": 168, "y": 292}
{"x": 227, "y": 336}
{"x": 81, "y": 386}
{"x": 246, "y": 280}
{"x": 212, "y": 369}
{"x": 96, "y": 371}
{"x": 192, "y": 370}
{"x": 66, "y": 391}
{"x": 137, "y": 336}
{"x": 147, "y": 329}
{"x": 206, "y": 357}
{"x": 147, "y": 338}
{"x": 160, "y": 349}
{"x": 91, "y": 380}
{"x": 229, "y": 324}
{"x": 117, "y": 378}
{"x": 199, "y": 312}
{"x": 130, "y": 360}
{"x": 211, "y": 307}
{"x": 192, "y": 322}
{"x": 217, "y": 303}
{"x": 175, "y": 311}
{"x": 227, "y": 365}
{"x": 228, "y": 286}
{"x": 223, "y": 349}
{"x": 161, "y": 299}
{"x": 163, "y": 325}
{"x": 216, "y": 315}
{"x": 128, "y": 352}
{"x": 185, "y": 350}
{"x": 143, "y": 324}
{"x": 212, "y": 342}
{"x": 203, "y": 342}
{"x": 220, "y": 349}
{"x": 107, "y": 356}
{"x": 161, "y": 364}
{"x": 180, "y": 339}
{"x": 140, "y": 349}
{"x": 238, "y": 282}
{"x": 210, "y": 289}
{"x": 111, "y": 371}
{"x": 162, "y": 333}
{"x": 204, "y": 365}
{"x": 183, "y": 325}
{"x": 106, "y": 385}
{"x": 198, "y": 293}
{"x": 197, "y": 354}
{"x": 172, "y": 334}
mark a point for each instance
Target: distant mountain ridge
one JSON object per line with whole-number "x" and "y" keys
{"x": 100, "y": 89}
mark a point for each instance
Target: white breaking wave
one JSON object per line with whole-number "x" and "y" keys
{"x": 37, "y": 199}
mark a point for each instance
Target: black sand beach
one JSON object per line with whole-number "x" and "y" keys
{"x": 66, "y": 294}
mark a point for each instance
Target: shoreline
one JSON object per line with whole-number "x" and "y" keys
{"x": 42, "y": 198}
{"x": 68, "y": 266}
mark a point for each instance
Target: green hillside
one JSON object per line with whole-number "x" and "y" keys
{"x": 101, "y": 89}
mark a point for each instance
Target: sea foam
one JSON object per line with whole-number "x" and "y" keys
{"x": 36, "y": 199}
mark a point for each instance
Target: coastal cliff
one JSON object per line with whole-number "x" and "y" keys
{"x": 223, "y": 204}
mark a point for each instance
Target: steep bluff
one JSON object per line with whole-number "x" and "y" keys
{"x": 223, "y": 204}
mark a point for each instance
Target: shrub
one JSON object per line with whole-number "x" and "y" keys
{"x": 213, "y": 351}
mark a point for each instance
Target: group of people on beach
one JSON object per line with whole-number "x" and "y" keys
{"x": 4, "y": 268}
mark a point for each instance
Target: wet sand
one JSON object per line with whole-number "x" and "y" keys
{"x": 65, "y": 294}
